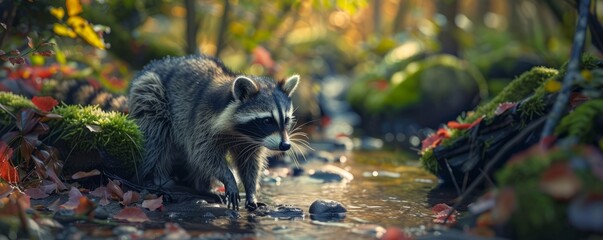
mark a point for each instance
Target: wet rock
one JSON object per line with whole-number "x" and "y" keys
{"x": 332, "y": 173}
{"x": 323, "y": 209}
{"x": 276, "y": 180}
{"x": 297, "y": 171}
{"x": 101, "y": 213}
{"x": 280, "y": 211}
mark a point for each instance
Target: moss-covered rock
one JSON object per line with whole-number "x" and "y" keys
{"x": 87, "y": 137}
{"x": 88, "y": 128}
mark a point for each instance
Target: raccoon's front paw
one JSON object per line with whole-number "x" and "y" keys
{"x": 232, "y": 198}
{"x": 253, "y": 205}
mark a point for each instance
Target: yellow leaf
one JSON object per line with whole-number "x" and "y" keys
{"x": 74, "y": 7}
{"x": 58, "y": 13}
{"x": 37, "y": 60}
{"x": 552, "y": 86}
{"x": 63, "y": 30}
{"x": 85, "y": 31}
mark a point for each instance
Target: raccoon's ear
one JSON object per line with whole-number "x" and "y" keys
{"x": 290, "y": 84}
{"x": 243, "y": 87}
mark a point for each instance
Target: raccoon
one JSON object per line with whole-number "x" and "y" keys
{"x": 196, "y": 110}
{"x": 86, "y": 93}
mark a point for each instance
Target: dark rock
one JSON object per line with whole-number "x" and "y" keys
{"x": 101, "y": 213}
{"x": 297, "y": 171}
{"x": 330, "y": 173}
{"x": 323, "y": 209}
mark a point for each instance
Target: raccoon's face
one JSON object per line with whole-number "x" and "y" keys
{"x": 265, "y": 113}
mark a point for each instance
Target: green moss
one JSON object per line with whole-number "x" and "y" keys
{"x": 429, "y": 162}
{"x": 517, "y": 90}
{"x": 88, "y": 128}
{"x": 12, "y": 103}
{"x": 581, "y": 122}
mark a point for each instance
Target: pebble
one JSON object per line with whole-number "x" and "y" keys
{"x": 324, "y": 209}
{"x": 126, "y": 230}
{"x": 330, "y": 173}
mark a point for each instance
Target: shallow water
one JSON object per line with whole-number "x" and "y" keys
{"x": 396, "y": 196}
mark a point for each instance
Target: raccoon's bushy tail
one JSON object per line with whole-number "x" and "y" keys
{"x": 148, "y": 106}
{"x": 85, "y": 93}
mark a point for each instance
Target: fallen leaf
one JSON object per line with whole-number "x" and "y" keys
{"x": 153, "y": 204}
{"x": 462, "y": 126}
{"x": 115, "y": 190}
{"x": 44, "y": 103}
{"x": 81, "y": 174}
{"x": 36, "y": 193}
{"x": 94, "y": 128}
{"x": 84, "y": 207}
{"x": 132, "y": 214}
{"x": 99, "y": 192}
{"x": 440, "y": 207}
{"x": 74, "y": 199}
{"x": 503, "y": 107}
{"x": 7, "y": 171}
{"x": 54, "y": 206}
{"x": 435, "y": 139}
{"x": 394, "y": 233}
{"x": 130, "y": 197}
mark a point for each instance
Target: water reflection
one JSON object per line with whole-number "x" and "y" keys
{"x": 391, "y": 195}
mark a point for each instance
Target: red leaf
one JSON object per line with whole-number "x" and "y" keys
{"x": 74, "y": 199}
{"x": 440, "y": 207}
{"x": 560, "y": 182}
{"x": 35, "y": 193}
{"x": 132, "y": 214}
{"x": 435, "y": 139}
{"x": 262, "y": 56}
{"x": 130, "y": 197}
{"x": 82, "y": 174}
{"x": 44, "y": 103}
{"x": 461, "y": 126}
{"x": 503, "y": 107}
{"x": 7, "y": 171}
{"x": 85, "y": 206}
{"x": 153, "y": 204}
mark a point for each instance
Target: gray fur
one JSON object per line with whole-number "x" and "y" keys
{"x": 194, "y": 108}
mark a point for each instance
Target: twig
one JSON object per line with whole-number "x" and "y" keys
{"x": 572, "y": 70}
{"x": 224, "y": 22}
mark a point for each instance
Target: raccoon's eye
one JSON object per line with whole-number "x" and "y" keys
{"x": 268, "y": 120}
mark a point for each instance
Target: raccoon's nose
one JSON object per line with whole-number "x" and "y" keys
{"x": 284, "y": 146}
